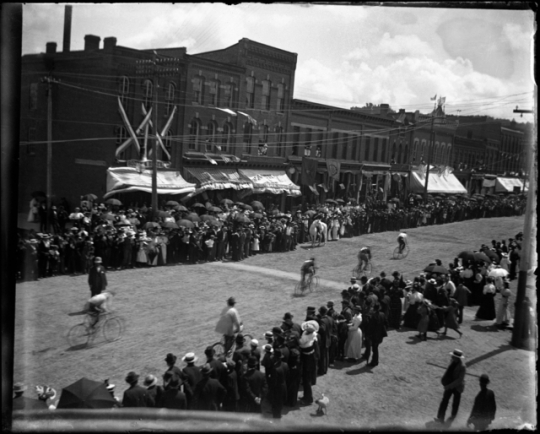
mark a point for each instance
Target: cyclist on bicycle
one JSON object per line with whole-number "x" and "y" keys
{"x": 98, "y": 304}
{"x": 364, "y": 256}
{"x": 229, "y": 323}
{"x": 402, "y": 240}
{"x": 307, "y": 269}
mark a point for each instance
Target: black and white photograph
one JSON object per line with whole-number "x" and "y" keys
{"x": 269, "y": 216}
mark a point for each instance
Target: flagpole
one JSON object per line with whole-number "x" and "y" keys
{"x": 429, "y": 155}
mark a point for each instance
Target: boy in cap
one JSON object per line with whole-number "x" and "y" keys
{"x": 484, "y": 408}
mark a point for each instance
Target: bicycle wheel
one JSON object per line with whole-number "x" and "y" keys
{"x": 397, "y": 254}
{"x": 112, "y": 329}
{"x": 78, "y": 336}
{"x": 405, "y": 252}
{"x": 367, "y": 270}
{"x": 219, "y": 349}
{"x": 298, "y": 289}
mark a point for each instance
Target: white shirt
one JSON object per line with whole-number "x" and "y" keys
{"x": 403, "y": 235}
{"x": 450, "y": 287}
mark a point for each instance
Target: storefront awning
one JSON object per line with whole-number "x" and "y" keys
{"x": 124, "y": 179}
{"x": 217, "y": 179}
{"x": 271, "y": 181}
{"x": 506, "y": 185}
{"x": 436, "y": 184}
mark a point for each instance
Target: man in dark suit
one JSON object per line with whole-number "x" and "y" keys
{"x": 277, "y": 384}
{"x": 453, "y": 382}
{"x": 97, "y": 277}
{"x": 484, "y": 408}
{"x": 192, "y": 375}
{"x": 209, "y": 392}
{"x": 218, "y": 369}
{"x": 136, "y": 395}
{"x": 376, "y": 332}
{"x": 328, "y": 326}
{"x": 256, "y": 389}
{"x": 172, "y": 397}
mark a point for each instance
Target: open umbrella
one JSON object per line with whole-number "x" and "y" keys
{"x": 466, "y": 254}
{"x": 172, "y": 203}
{"x": 215, "y": 209}
{"x": 180, "y": 208}
{"x": 436, "y": 269}
{"x": 331, "y": 201}
{"x": 215, "y": 223}
{"x": 170, "y": 225}
{"x": 498, "y": 272}
{"x": 90, "y": 196}
{"x": 257, "y": 204}
{"x": 194, "y": 217}
{"x": 249, "y": 208}
{"x": 86, "y": 393}
{"x": 394, "y": 199}
{"x": 163, "y": 214}
{"x": 148, "y": 225}
{"x": 207, "y": 217}
{"x": 186, "y": 224}
{"x": 274, "y": 212}
{"x": 340, "y": 201}
{"x": 480, "y": 256}
{"x": 227, "y": 201}
{"x": 198, "y": 205}
{"x": 113, "y": 201}
{"x": 491, "y": 255}
{"x": 242, "y": 218}
{"x": 257, "y": 215}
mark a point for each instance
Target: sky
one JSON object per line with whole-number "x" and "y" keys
{"x": 480, "y": 60}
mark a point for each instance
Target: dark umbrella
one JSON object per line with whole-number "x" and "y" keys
{"x": 466, "y": 254}
{"x": 113, "y": 201}
{"x": 86, "y": 393}
{"x": 239, "y": 203}
{"x": 257, "y": 215}
{"x": 480, "y": 256}
{"x": 172, "y": 203}
{"x": 491, "y": 255}
{"x": 227, "y": 201}
{"x": 331, "y": 201}
{"x": 249, "y": 208}
{"x": 215, "y": 209}
{"x": 419, "y": 197}
{"x": 180, "y": 208}
{"x": 198, "y": 205}
{"x": 207, "y": 217}
{"x": 274, "y": 211}
{"x": 170, "y": 225}
{"x": 340, "y": 200}
{"x": 435, "y": 269}
{"x": 163, "y": 214}
{"x": 186, "y": 224}
{"x": 215, "y": 223}
{"x": 91, "y": 197}
{"x": 242, "y": 218}
{"x": 394, "y": 199}
{"x": 257, "y": 204}
{"x": 193, "y": 217}
{"x": 148, "y": 225}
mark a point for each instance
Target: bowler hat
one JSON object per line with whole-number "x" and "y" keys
{"x": 484, "y": 378}
{"x": 132, "y": 377}
{"x": 170, "y": 358}
{"x": 252, "y": 362}
{"x": 287, "y": 316}
{"x": 206, "y": 370}
{"x": 330, "y": 303}
{"x": 277, "y": 331}
{"x": 209, "y": 351}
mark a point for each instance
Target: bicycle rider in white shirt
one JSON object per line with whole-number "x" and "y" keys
{"x": 100, "y": 304}
{"x": 364, "y": 256}
{"x": 402, "y": 240}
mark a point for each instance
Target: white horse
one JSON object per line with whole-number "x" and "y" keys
{"x": 318, "y": 230}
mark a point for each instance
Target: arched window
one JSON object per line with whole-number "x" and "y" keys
{"x": 226, "y": 138}
{"x": 168, "y": 140}
{"x": 211, "y": 130}
{"x": 415, "y": 151}
{"x": 248, "y": 137}
{"x": 423, "y": 155}
{"x": 197, "y": 83}
{"x": 213, "y": 92}
{"x": 123, "y": 89}
{"x": 169, "y": 98}
{"x": 400, "y": 153}
{"x": 148, "y": 90}
{"x": 194, "y": 133}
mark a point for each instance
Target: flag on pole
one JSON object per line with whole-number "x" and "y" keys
{"x": 442, "y": 100}
{"x": 434, "y": 98}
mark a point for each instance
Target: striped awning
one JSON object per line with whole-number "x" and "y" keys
{"x": 213, "y": 178}
{"x": 272, "y": 181}
{"x": 436, "y": 183}
{"x": 506, "y": 185}
{"x": 125, "y": 179}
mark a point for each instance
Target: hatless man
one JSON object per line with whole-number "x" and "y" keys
{"x": 229, "y": 323}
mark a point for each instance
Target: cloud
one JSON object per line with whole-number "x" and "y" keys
{"x": 403, "y": 45}
{"x": 516, "y": 36}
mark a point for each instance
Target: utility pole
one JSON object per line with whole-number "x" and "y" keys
{"x": 430, "y": 152}
{"x": 521, "y": 338}
{"x": 49, "y": 80}
{"x": 155, "y": 143}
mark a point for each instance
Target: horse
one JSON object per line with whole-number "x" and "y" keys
{"x": 318, "y": 230}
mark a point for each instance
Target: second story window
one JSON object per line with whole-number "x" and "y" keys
{"x": 344, "y": 146}
{"x": 367, "y": 153}
{"x": 171, "y": 91}
{"x": 279, "y": 141}
{"x": 34, "y": 96}
{"x": 148, "y": 91}
{"x": 123, "y": 89}
{"x": 248, "y": 136}
{"x": 228, "y": 94}
{"x": 296, "y": 140}
{"x": 226, "y": 137}
{"x": 194, "y": 134}
{"x": 280, "y": 97}
{"x": 213, "y": 90}
{"x": 265, "y": 100}
{"x": 335, "y": 144}
{"x": 197, "y": 83}
{"x": 121, "y": 137}
{"x": 307, "y": 142}
{"x": 211, "y": 130}
{"x": 383, "y": 150}
{"x": 318, "y": 151}
{"x": 250, "y": 92}
{"x": 375, "y": 149}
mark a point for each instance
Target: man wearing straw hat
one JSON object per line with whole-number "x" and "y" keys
{"x": 453, "y": 382}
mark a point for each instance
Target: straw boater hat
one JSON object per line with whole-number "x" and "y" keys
{"x": 19, "y": 387}
{"x": 254, "y": 343}
{"x": 190, "y": 358}
{"x": 458, "y": 354}
{"x": 97, "y": 260}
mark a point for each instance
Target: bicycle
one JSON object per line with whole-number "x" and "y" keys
{"x": 311, "y": 283}
{"x": 83, "y": 334}
{"x": 403, "y": 254}
{"x": 365, "y": 272}
{"x": 219, "y": 347}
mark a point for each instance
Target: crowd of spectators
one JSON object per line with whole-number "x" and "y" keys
{"x": 128, "y": 237}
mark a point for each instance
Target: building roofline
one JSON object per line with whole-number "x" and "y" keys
{"x": 341, "y": 109}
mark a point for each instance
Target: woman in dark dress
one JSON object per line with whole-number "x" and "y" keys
{"x": 486, "y": 311}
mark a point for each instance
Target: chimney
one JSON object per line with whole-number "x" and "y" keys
{"x": 109, "y": 43}
{"x": 384, "y": 109}
{"x": 50, "y": 47}
{"x": 91, "y": 42}
{"x": 67, "y": 28}
{"x": 401, "y": 111}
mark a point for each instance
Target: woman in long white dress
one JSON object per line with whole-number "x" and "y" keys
{"x": 353, "y": 345}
